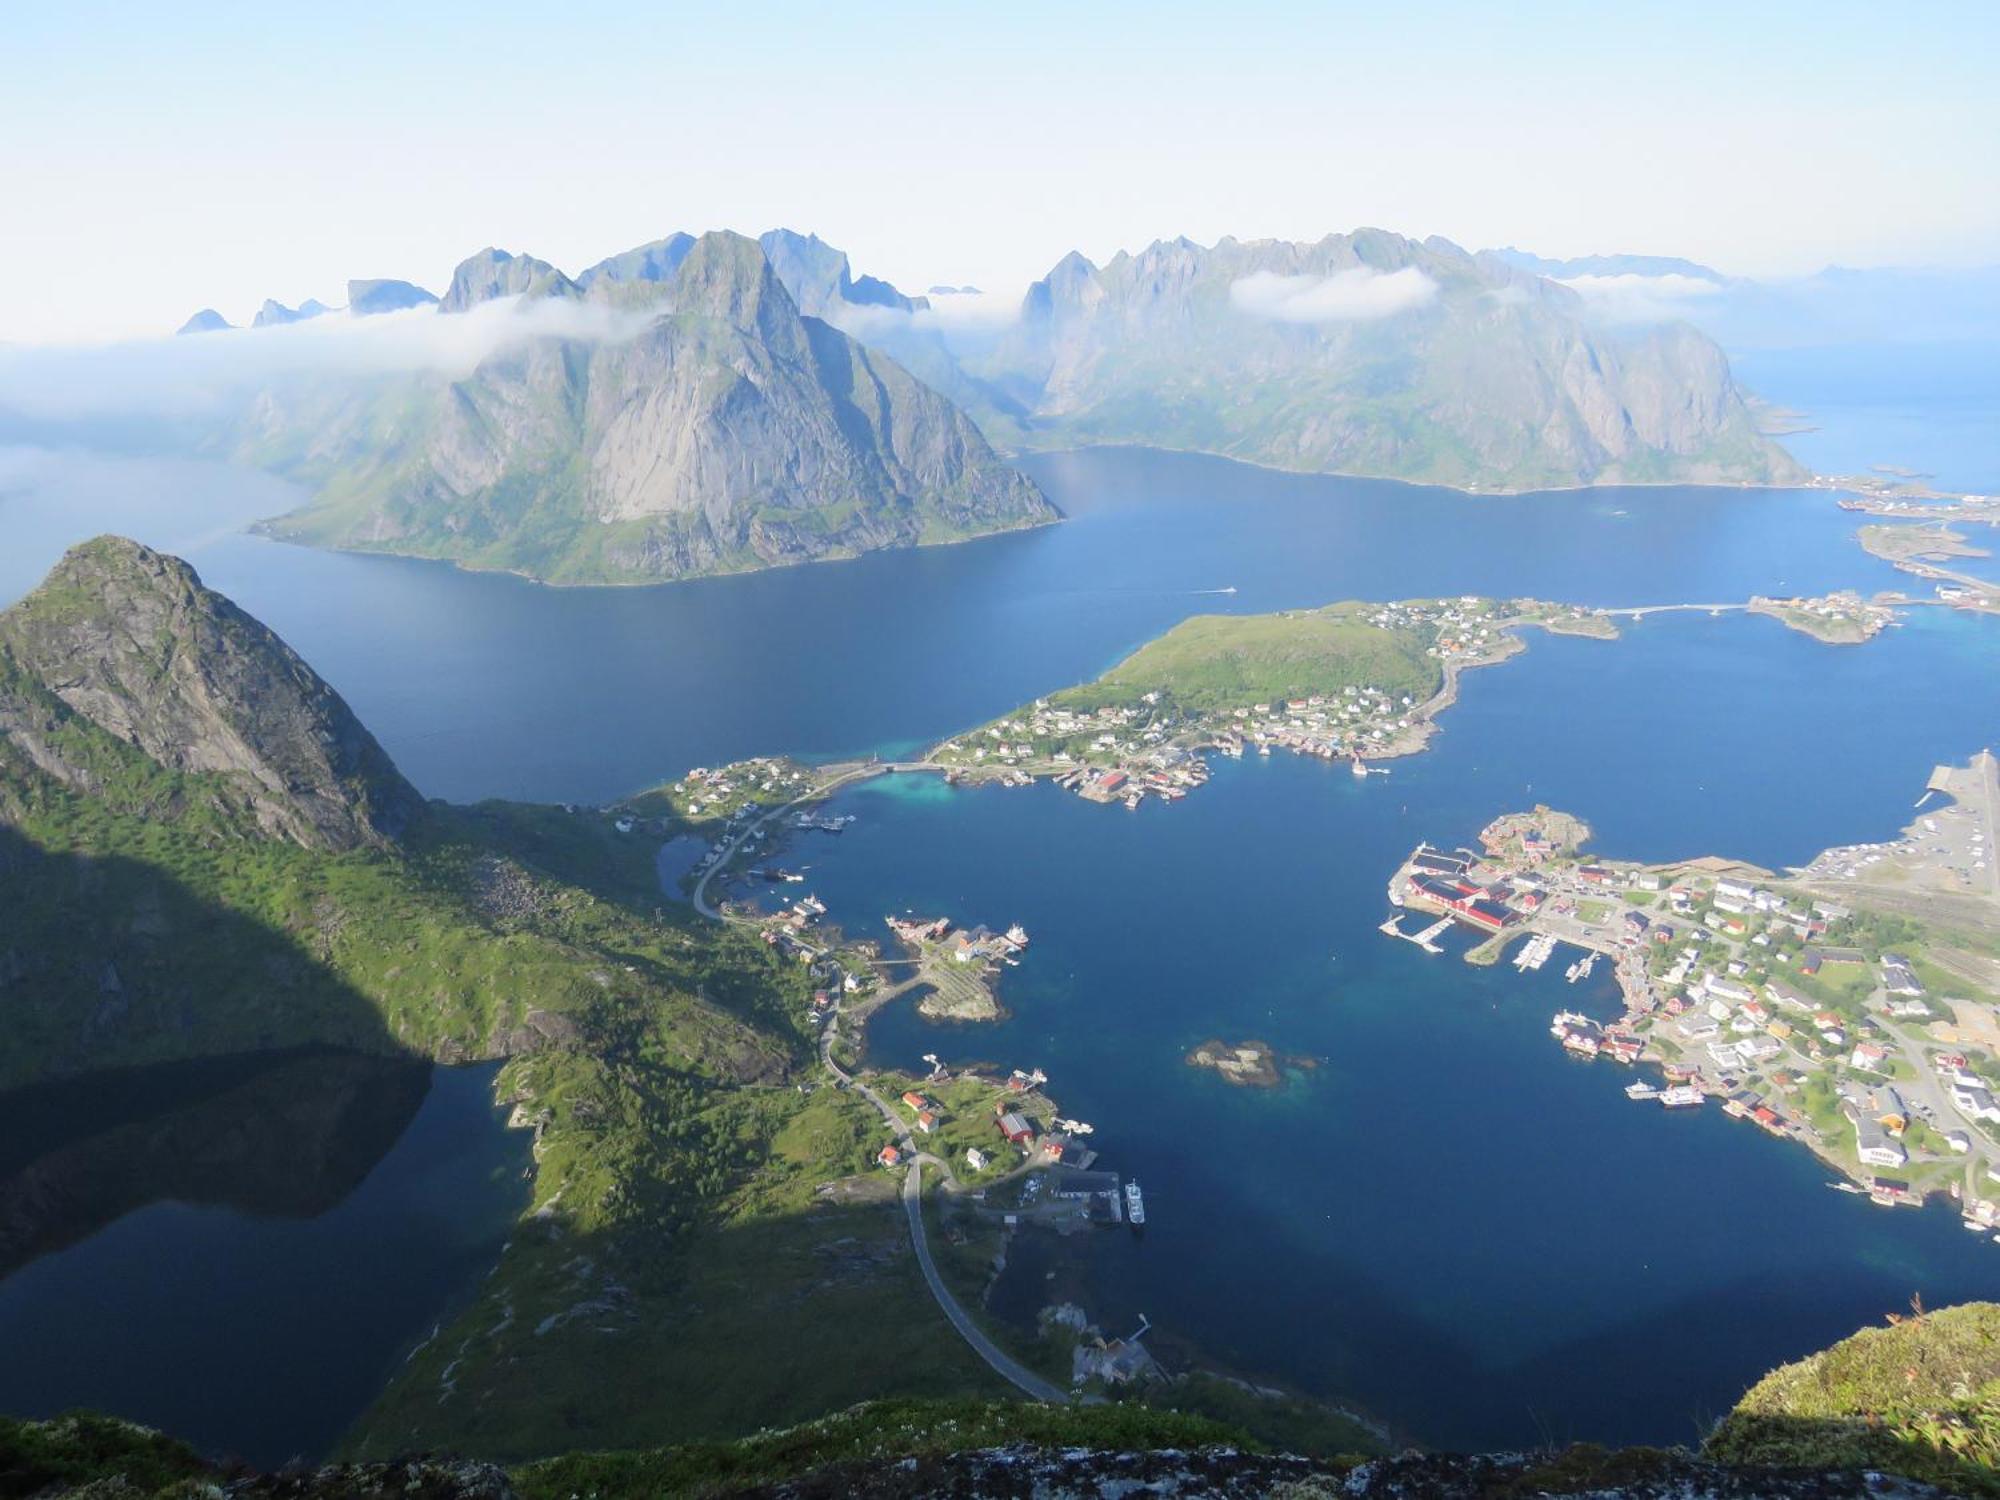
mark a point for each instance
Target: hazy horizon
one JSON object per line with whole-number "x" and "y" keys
{"x": 157, "y": 165}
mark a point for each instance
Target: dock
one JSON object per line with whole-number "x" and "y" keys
{"x": 1535, "y": 952}
{"x": 1426, "y": 940}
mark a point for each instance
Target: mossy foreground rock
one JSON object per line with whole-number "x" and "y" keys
{"x": 910, "y": 1449}
{"x": 1921, "y": 1397}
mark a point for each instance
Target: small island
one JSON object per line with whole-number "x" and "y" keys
{"x": 1356, "y": 682}
{"x": 1843, "y": 618}
{"x": 955, "y": 967}
{"x": 1247, "y": 1064}
{"x": 1920, "y": 550}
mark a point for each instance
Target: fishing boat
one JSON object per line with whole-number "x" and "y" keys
{"x": 1641, "y": 1090}
{"x": 1135, "y": 1205}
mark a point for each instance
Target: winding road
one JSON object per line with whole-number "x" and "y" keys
{"x": 1002, "y": 1364}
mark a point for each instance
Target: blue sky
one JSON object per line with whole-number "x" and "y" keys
{"x": 155, "y": 159}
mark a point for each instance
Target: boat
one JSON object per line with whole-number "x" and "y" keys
{"x": 1641, "y": 1090}
{"x": 1135, "y": 1205}
{"x": 1360, "y": 767}
{"x": 1681, "y": 1096}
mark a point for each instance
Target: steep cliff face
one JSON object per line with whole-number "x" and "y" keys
{"x": 725, "y": 430}
{"x": 1374, "y": 354}
{"x": 129, "y": 641}
{"x": 202, "y": 852}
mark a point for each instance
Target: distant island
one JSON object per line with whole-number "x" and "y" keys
{"x": 1922, "y": 549}
{"x": 713, "y": 403}
{"x": 1368, "y": 353}
{"x": 662, "y": 417}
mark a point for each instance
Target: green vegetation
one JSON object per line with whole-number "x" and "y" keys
{"x": 1215, "y": 662}
{"x": 1919, "y": 1398}
{"x": 83, "y": 1448}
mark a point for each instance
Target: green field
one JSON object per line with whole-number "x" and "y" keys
{"x": 1218, "y": 662}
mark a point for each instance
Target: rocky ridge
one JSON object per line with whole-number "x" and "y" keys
{"x": 129, "y": 640}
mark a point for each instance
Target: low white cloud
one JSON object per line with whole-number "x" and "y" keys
{"x": 968, "y": 313}
{"x": 197, "y": 374}
{"x": 1632, "y": 298}
{"x": 1358, "y": 294}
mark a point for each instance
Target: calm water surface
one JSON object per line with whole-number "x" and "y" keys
{"x": 1448, "y": 1221}
{"x": 483, "y": 685}
{"x": 252, "y": 1244}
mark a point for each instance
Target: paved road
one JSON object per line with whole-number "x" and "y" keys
{"x": 818, "y": 794}
{"x": 1007, "y": 1368}
{"x": 1010, "y": 1370}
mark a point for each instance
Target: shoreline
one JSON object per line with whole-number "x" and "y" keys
{"x": 1783, "y": 1062}
{"x": 1810, "y": 481}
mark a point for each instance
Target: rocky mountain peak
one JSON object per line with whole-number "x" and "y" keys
{"x": 131, "y": 641}
{"x": 497, "y": 273}
{"x": 657, "y": 260}
{"x": 381, "y": 295}
{"x": 727, "y": 276}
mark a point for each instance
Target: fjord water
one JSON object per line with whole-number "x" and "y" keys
{"x": 239, "y": 1250}
{"x": 483, "y": 685}
{"x": 1447, "y": 1221}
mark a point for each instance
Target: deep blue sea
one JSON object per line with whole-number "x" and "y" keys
{"x": 1447, "y": 1222}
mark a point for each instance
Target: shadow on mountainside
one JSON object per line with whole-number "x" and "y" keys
{"x": 110, "y": 961}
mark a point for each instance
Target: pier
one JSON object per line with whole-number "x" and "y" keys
{"x": 1426, "y": 940}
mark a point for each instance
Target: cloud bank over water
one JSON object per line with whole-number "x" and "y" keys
{"x": 1633, "y": 298}
{"x": 198, "y": 374}
{"x": 1359, "y": 294}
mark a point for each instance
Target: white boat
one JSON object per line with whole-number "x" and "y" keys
{"x": 1359, "y": 768}
{"x": 1641, "y": 1090}
{"x": 1135, "y": 1205}
{"x": 1681, "y": 1096}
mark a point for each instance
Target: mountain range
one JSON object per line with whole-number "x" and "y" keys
{"x": 704, "y": 404}
{"x": 1373, "y": 354}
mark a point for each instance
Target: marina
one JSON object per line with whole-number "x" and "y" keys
{"x": 1534, "y": 952}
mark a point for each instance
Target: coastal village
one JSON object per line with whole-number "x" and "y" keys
{"x": 1849, "y": 1005}
{"x": 1143, "y": 730}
